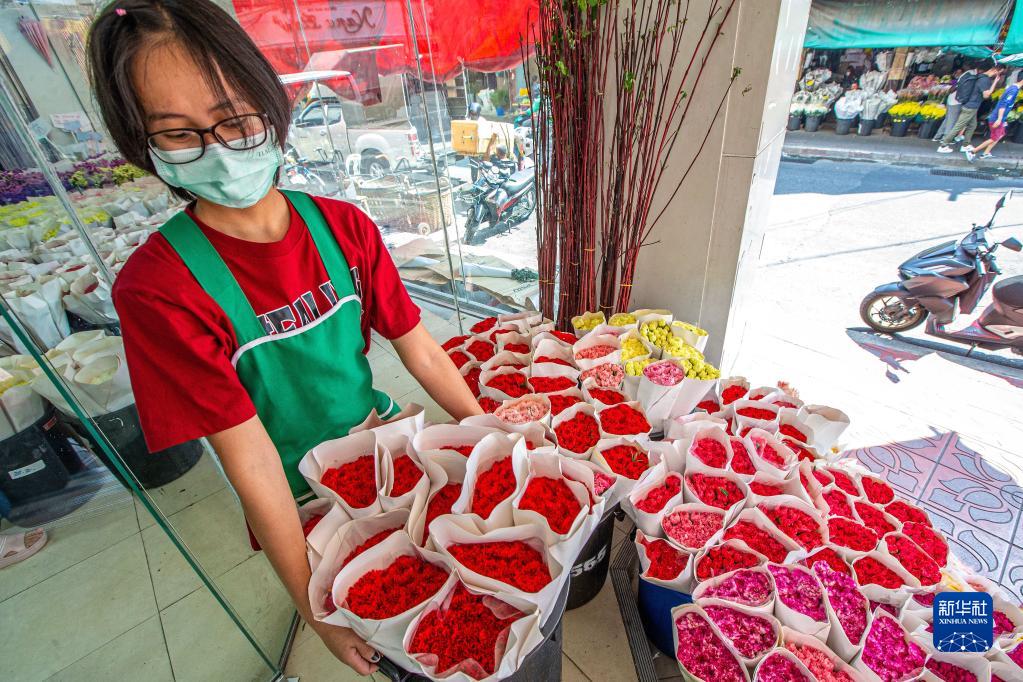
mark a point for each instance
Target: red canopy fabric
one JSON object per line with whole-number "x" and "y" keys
{"x": 482, "y": 35}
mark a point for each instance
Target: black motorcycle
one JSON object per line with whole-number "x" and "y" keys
{"x": 499, "y": 199}
{"x": 949, "y": 279}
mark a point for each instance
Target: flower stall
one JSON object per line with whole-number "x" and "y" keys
{"x": 758, "y": 551}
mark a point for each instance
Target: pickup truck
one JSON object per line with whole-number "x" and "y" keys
{"x": 379, "y": 144}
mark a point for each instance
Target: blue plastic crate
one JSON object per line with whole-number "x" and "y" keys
{"x": 655, "y": 604}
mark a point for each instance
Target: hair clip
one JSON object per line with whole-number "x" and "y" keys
{"x": 120, "y": 11}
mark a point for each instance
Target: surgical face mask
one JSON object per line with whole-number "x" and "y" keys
{"x": 223, "y": 176}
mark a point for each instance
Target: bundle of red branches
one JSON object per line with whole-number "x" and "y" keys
{"x": 599, "y": 165}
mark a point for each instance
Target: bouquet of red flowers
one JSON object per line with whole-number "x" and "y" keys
{"x": 846, "y": 533}
{"x": 406, "y": 474}
{"x": 913, "y": 559}
{"x": 661, "y": 560}
{"x": 623, "y": 420}
{"x": 796, "y": 520}
{"x": 516, "y": 563}
{"x": 722, "y": 491}
{"x": 724, "y": 558}
{"x": 493, "y": 486}
{"x": 403, "y": 584}
{"x": 508, "y": 383}
{"x": 354, "y": 481}
{"x": 551, "y": 384}
{"x": 690, "y": 526}
{"x": 629, "y": 460}
{"x": 577, "y": 429}
{"x": 554, "y": 500}
{"x": 711, "y": 447}
{"x": 750, "y": 529}
{"x": 562, "y": 401}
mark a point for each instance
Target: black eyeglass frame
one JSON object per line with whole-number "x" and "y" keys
{"x": 212, "y": 130}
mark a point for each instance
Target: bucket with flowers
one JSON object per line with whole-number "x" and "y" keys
{"x": 930, "y": 116}
{"x": 902, "y": 115}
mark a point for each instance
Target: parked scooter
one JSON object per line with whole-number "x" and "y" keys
{"x": 949, "y": 279}
{"x": 296, "y": 174}
{"x": 500, "y": 198}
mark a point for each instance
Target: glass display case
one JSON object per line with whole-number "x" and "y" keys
{"x": 154, "y": 545}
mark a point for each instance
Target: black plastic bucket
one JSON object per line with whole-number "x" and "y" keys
{"x": 928, "y": 128}
{"x": 1017, "y": 135}
{"x": 794, "y": 121}
{"x": 655, "y": 604}
{"x": 813, "y": 123}
{"x": 589, "y": 573}
{"x": 866, "y": 127}
{"x": 123, "y": 430}
{"x": 843, "y": 125}
{"x": 900, "y": 128}
{"x": 544, "y": 663}
{"x": 29, "y": 464}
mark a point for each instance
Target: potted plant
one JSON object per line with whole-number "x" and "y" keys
{"x": 501, "y": 100}
{"x": 902, "y": 114}
{"x": 846, "y": 111}
{"x": 1013, "y": 118}
{"x": 814, "y": 113}
{"x": 795, "y": 115}
{"x": 868, "y": 117}
{"x": 930, "y": 116}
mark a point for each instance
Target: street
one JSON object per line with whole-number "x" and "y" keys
{"x": 944, "y": 428}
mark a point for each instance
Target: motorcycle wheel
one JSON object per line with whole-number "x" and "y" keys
{"x": 889, "y": 314}
{"x": 471, "y": 225}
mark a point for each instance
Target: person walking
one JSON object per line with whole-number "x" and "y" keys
{"x": 952, "y": 106}
{"x": 971, "y": 95}
{"x": 997, "y": 119}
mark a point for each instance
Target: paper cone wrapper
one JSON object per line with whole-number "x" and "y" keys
{"x": 464, "y": 371}
{"x": 320, "y": 536}
{"x": 1013, "y": 612}
{"x": 768, "y": 505}
{"x": 858, "y": 662}
{"x": 612, "y": 495}
{"x": 697, "y": 341}
{"x": 506, "y": 359}
{"x": 494, "y": 393}
{"x": 21, "y": 367}
{"x": 753, "y": 440}
{"x": 635, "y": 405}
{"x": 335, "y": 453}
{"x": 432, "y": 438}
{"x": 552, "y": 348}
{"x": 523, "y": 637}
{"x": 539, "y": 435}
{"x": 20, "y": 407}
{"x": 743, "y": 422}
{"x": 625, "y": 484}
{"x": 40, "y": 309}
{"x": 659, "y": 401}
{"x": 1004, "y": 670}
{"x": 586, "y": 319}
{"x": 389, "y": 502}
{"x": 883, "y": 548}
{"x": 72, "y": 270}
{"x": 553, "y": 369}
{"x": 443, "y": 468}
{"x": 683, "y": 428}
{"x": 897, "y": 597}
{"x": 683, "y": 582}
{"x": 79, "y": 340}
{"x": 828, "y": 424}
{"x": 384, "y": 635}
{"x": 593, "y": 340}
{"x": 752, "y": 613}
{"x": 725, "y": 384}
{"x": 597, "y": 403}
{"x": 690, "y": 394}
{"x": 540, "y": 337}
{"x": 713, "y": 433}
{"x": 790, "y": 418}
{"x": 790, "y": 636}
{"x": 492, "y": 449}
{"x": 393, "y": 433}
{"x": 105, "y": 381}
{"x": 795, "y": 620}
{"x": 507, "y": 411}
{"x": 757, "y": 518}
{"x": 548, "y": 466}
{"x": 107, "y": 346}
{"x": 687, "y": 508}
{"x": 655, "y": 477}
{"x": 979, "y": 666}
{"x": 451, "y": 532}
{"x": 677, "y": 613}
{"x": 568, "y": 414}
{"x": 523, "y": 337}
{"x": 787, "y": 655}
{"x": 524, "y": 320}
{"x": 706, "y": 589}
{"x": 93, "y": 296}
{"x": 694, "y": 467}
{"x": 573, "y": 392}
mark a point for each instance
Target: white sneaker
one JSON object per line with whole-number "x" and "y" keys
{"x": 944, "y": 149}
{"x": 986, "y": 155}
{"x": 959, "y": 138}
{"x": 970, "y": 156}
{"x": 966, "y": 148}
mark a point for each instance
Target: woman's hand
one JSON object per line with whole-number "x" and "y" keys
{"x": 430, "y": 365}
{"x": 349, "y": 648}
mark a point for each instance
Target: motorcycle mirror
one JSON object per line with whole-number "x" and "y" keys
{"x": 1013, "y": 244}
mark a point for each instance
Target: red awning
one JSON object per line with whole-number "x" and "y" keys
{"x": 482, "y": 35}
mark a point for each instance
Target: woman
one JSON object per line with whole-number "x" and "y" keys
{"x": 246, "y": 319}
{"x": 997, "y": 123}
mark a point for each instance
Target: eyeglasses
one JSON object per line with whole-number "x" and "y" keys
{"x": 184, "y": 145}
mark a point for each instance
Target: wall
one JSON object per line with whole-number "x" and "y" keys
{"x": 709, "y": 239}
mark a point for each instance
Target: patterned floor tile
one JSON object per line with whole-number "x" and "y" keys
{"x": 1012, "y": 578}
{"x": 904, "y": 468}
{"x": 982, "y": 551}
{"x": 996, "y": 468}
{"x": 985, "y": 506}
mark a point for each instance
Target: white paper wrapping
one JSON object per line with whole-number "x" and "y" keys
{"x": 494, "y": 448}
{"x": 828, "y": 424}
{"x": 685, "y": 608}
{"x": 753, "y": 613}
{"x": 319, "y": 537}
{"x": 655, "y": 477}
{"x": 786, "y": 654}
{"x": 335, "y": 453}
{"x": 683, "y": 582}
{"x": 706, "y": 588}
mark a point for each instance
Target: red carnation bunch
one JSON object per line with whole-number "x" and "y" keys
{"x": 578, "y": 434}
{"x": 513, "y": 384}
{"x": 741, "y": 463}
{"x": 385, "y": 593}
{"x": 873, "y": 518}
{"x": 607, "y": 396}
{"x": 623, "y": 420}
{"x": 463, "y": 450}
{"x": 722, "y": 559}
{"x": 758, "y": 540}
{"x": 765, "y": 489}
{"x": 355, "y": 481}
{"x": 798, "y": 525}
{"x": 560, "y": 403}
{"x": 372, "y": 541}
{"x": 666, "y": 562}
{"x": 481, "y": 350}
{"x": 514, "y": 563}
{"x": 731, "y": 394}
{"x": 870, "y": 571}
{"x": 627, "y": 460}
{"x": 715, "y": 491}
{"x": 931, "y": 542}
{"x": 830, "y": 557}
{"x": 757, "y": 413}
{"x": 565, "y": 336}
{"x": 464, "y": 636}
{"x": 838, "y": 503}
{"x": 850, "y": 534}
{"x": 769, "y": 453}
{"x": 497, "y": 332}
{"x": 802, "y": 452}
{"x": 949, "y": 672}
{"x": 493, "y": 486}
{"x": 517, "y": 347}
{"x": 792, "y": 432}
{"x": 877, "y": 491}
{"x": 907, "y": 513}
{"x": 913, "y": 559}
{"x": 406, "y": 475}
{"x": 484, "y": 325}
{"x": 659, "y": 496}
{"x": 691, "y": 529}
{"x": 553, "y": 500}
{"x": 556, "y": 361}
{"x": 710, "y": 451}
{"x": 488, "y": 404}
{"x": 310, "y": 523}
{"x": 454, "y": 342}
{"x": 551, "y": 384}
{"x": 824, "y": 478}
{"x": 472, "y": 380}
{"x": 710, "y": 406}
{"x": 459, "y": 358}
{"x": 440, "y": 505}
{"x": 845, "y": 482}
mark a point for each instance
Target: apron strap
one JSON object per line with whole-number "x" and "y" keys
{"x": 326, "y": 243}
{"x": 213, "y": 275}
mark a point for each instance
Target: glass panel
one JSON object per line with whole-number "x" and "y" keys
{"x": 152, "y": 545}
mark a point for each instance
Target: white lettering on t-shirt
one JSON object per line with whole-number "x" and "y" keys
{"x": 304, "y": 309}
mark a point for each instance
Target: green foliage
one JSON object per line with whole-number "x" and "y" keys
{"x": 500, "y": 98}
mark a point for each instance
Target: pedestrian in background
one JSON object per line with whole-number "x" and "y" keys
{"x": 971, "y": 95}
{"x": 997, "y": 119}
{"x": 952, "y": 106}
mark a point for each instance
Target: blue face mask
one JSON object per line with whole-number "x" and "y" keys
{"x": 223, "y": 176}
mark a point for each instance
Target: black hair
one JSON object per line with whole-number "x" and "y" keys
{"x": 220, "y": 47}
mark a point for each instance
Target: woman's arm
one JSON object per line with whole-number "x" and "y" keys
{"x": 254, "y": 469}
{"x": 430, "y": 365}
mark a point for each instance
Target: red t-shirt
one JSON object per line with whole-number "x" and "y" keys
{"x": 179, "y": 342}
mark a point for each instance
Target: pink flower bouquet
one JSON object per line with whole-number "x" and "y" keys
{"x": 888, "y": 652}
{"x": 700, "y": 649}
{"x": 847, "y": 609}
{"x": 751, "y": 634}
{"x": 690, "y": 526}
{"x": 781, "y": 666}
{"x": 822, "y": 662}
{"x": 800, "y": 603}
{"x": 752, "y": 588}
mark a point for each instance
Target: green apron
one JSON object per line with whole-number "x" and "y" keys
{"x": 309, "y": 384}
